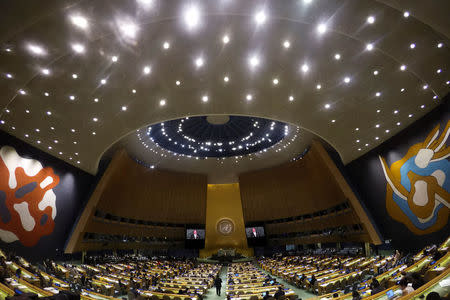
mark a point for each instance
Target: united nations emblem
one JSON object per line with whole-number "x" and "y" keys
{"x": 225, "y": 226}
{"x": 418, "y": 185}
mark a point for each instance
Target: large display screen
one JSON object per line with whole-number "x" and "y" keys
{"x": 195, "y": 234}
{"x": 254, "y": 232}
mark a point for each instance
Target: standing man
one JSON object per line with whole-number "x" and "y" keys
{"x": 218, "y": 285}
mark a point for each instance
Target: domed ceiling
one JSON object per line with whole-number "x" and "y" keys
{"x": 76, "y": 77}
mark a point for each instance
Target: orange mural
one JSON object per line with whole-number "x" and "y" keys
{"x": 28, "y": 206}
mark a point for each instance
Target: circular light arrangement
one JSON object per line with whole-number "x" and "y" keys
{"x": 202, "y": 138}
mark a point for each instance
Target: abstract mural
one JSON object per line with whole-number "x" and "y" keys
{"x": 27, "y": 200}
{"x": 418, "y": 185}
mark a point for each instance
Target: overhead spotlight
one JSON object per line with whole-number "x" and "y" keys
{"x": 307, "y": 1}
{"x": 322, "y": 28}
{"x": 128, "y": 29}
{"x": 124, "y": 108}
{"x": 438, "y": 71}
{"x": 275, "y": 81}
{"x": 49, "y": 113}
{"x": 260, "y": 17}
{"x": 45, "y": 71}
{"x": 347, "y": 79}
{"x": 205, "y": 98}
{"x": 337, "y": 56}
{"x": 412, "y": 46}
{"x": 402, "y": 67}
{"x": 166, "y": 45}
{"x": 377, "y": 94}
{"x": 249, "y": 97}
{"x": 22, "y": 92}
{"x": 225, "y": 39}
{"x": 253, "y": 61}
{"x": 79, "y": 21}
{"x": 191, "y": 16}
{"x": 74, "y": 76}
{"x": 369, "y": 47}
{"x": 286, "y": 44}
{"x": 8, "y": 75}
{"x": 103, "y": 81}
{"x": 371, "y": 19}
{"x": 319, "y": 86}
{"x": 226, "y": 79}
{"x": 406, "y": 14}
{"x": 162, "y": 102}
{"x": 94, "y": 119}
{"x": 78, "y": 48}
{"x": 114, "y": 58}
{"x": 36, "y": 49}
{"x": 291, "y": 98}
{"x": 147, "y": 70}
{"x": 72, "y": 97}
{"x": 425, "y": 86}
{"x": 305, "y": 68}
{"x": 199, "y": 62}
{"x": 327, "y": 106}
{"x": 440, "y": 45}
{"x": 375, "y": 72}
{"x": 177, "y": 82}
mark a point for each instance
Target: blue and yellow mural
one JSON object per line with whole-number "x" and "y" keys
{"x": 418, "y": 185}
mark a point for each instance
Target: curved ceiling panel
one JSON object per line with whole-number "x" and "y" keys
{"x": 76, "y": 76}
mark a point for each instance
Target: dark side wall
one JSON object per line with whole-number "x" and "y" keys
{"x": 368, "y": 179}
{"x": 72, "y": 191}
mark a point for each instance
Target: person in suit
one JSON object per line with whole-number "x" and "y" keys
{"x": 218, "y": 285}
{"x": 254, "y": 233}
{"x": 195, "y": 235}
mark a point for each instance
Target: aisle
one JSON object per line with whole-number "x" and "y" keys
{"x": 302, "y": 294}
{"x": 211, "y": 293}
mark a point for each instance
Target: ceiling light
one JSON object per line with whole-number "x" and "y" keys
{"x": 2, "y": 121}
{"x": 114, "y": 58}
{"x": 60, "y": 153}
{"x": 438, "y": 71}
{"x": 133, "y": 91}
{"x": 440, "y": 45}
{"x": 347, "y": 79}
{"x": 318, "y": 86}
{"x": 8, "y": 75}
{"x": 103, "y": 81}
{"x": 378, "y": 111}
{"x": 398, "y": 123}
{"x": 377, "y": 94}
{"x": 305, "y": 68}
{"x": 435, "y": 97}
{"x": 26, "y": 135}
{"x": 387, "y": 130}
{"x": 93, "y": 133}
{"x": 55, "y": 141}
{"x": 371, "y": 19}
{"x": 96, "y": 100}
{"x": 199, "y": 62}
{"x": 357, "y": 129}
{"x": 402, "y": 90}
{"x": 36, "y": 49}
{"x": 78, "y": 48}
{"x": 94, "y": 119}
{"x": 249, "y": 97}
{"x": 49, "y": 113}
{"x": 337, "y": 56}
{"x": 147, "y": 70}
{"x": 72, "y": 97}
{"x": 367, "y": 145}
{"x": 327, "y": 106}
{"x": 124, "y": 108}
{"x": 128, "y": 28}
{"x": 177, "y": 82}
{"x": 74, "y": 76}
{"x": 191, "y": 16}
{"x": 376, "y": 138}
{"x": 73, "y": 130}
{"x": 45, "y": 71}
{"x": 260, "y": 17}
{"x": 375, "y": 72}
{"x": 275, "y": 81}
{"x": 395, "y": 112}
{"x": 38, "y": 142}
{"x": 254, "y": 61}
{"x": 377, "y": 126}
{"x": 205, "y": 98}
{"x": 37, "y": 130}
{"x": 226, "y": 79}
{"x": 46, "y": 94}
{"x": 286, "y": 44}
{"x": 333, "y": 121}
{"x": 162, "y": 102}
{"x": 166, "y": 45}
{"x": 225, "y": 39}
{"x": 307, "y": 1}
{"x": 7, "y": 111}
{"x": 52, "y": 128}
{"x": 425, "y": 86}
{"x": 357, "y": 141}
{"x": 27, "y": 111}
{"x": 79, "y": 21}
{"x": 291, "y": 98}
{"x": 321, "y": 28}
{"x": 22, "y": 92}
{"x": 369, "y": 47}
{"x": 359, "y": 149}
{"x": 406, "y": 14}
{"x": 402, "y": 68}
{"x": 412, "y": 46}
{"x": 410, "y": 115}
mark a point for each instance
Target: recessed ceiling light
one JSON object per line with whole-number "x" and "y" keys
{"x": 38, "y": 141}
{"x": 395, "y": 112}
{"x": 438, "y": 71}
{"x": 371, "y": 19}
{"x": 103, "y": 81}
{"x": 46, "y": 94}
{"x": 327, "y": 106}
{"x": 45, "y": 71}
{"x": 114, "y": 58}
{"x": 275, "y": 81}
{"x": 286, "y": 44}
{"x": 74, "y": 143}
{"x": 50, "y": 147}
{"x": 291, "y": 98}
{"x": 337, "y": 56}
{"x": 147, "y": 70}
{"x": 162, "y": 102}
{"x": 425, "y": 86}
{"x": 357, "y": 141}
{"x": 74, "y": 76}
{"x": 94, "y": 119}
{"x": 166, "y": 45}
{"x": 191, "y": 16}
{"x": 253, "y": 61}
{"x": 60, "y": 153}
{"x": 27, "y": 111}
{"x": 347, "y": 79}
{"x": 124, "y": 108}
{"x": 367, "y": 145}
{"x": 359, "y": 149}
{"x": 128, "y": 29}
{"x": 73, "y": 130}
{"x": 225, "y": 39}
{"x": 357, "y": 129}
{"x": 402, "y": 67}
{"x": 22, "y": 92}
{"x": 321, "y": 28}
{"x": 387, "y": 130}
{"x": 95, "y": 99}
{"x": 319, "y": 86}
{"x": 36, "y": 49}
{"x": 305, "y": 68}
{"x": 435, "y": 97}
{"x": 26, "y": 135}
{"x": 377, "y": 126}
{"x": 412, "y": 46}
{"x": 93, "y": 133}
{"x": 133, "y": 91}
{"x": 49, "y": 113}
{"x": 422, "y": 106}
{"x": 52, "y": 128}
{"x": 78, "y": 48}
{"x": 177, "y": 82}
{"x": 402, "y": 90}
{"x": 447, "y": 83}
{"x": 79, "y": 21}
{"x": 406, "y": 14}
{"x": 37, "y": 130}
{"x": 440, "y": 45}
{"x": 369, "y": 47}
{"x": 55, "y": 141}
{"x": 410, "y": 115}
{"x": 2, "y": 121}
{"x": 333, "y": 121}
{"x": 375, "y": 72}
{"x": 377, "y": 94}
{"x": 307, "y": 1}
{"x": 199, "y": 62}
{"x": 8, "y": 50}
{"x": 205, "y": 98}
{"x": 249, "y": 97}
{"x": 7, "y": 111}
{"x": 378, "y": 111}
{"x": 260, "y": 17}
{"x": 226, "y": 79}
{"x": 8, "y": 75}
{"x": 377, "y": 138}
{"x": 398, "y": 123}
{"x": 72, "y": 97}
